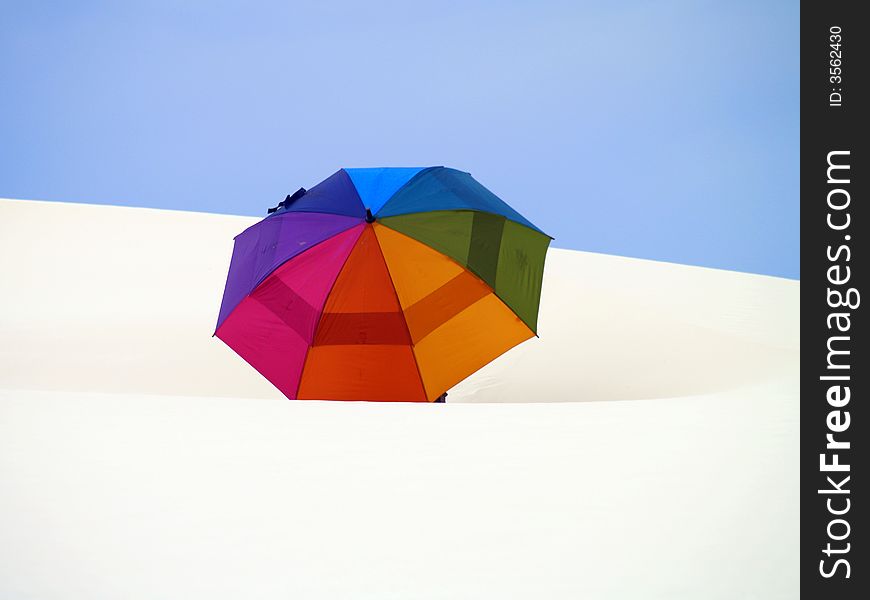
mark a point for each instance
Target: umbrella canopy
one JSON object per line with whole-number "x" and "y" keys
{"x": 389, "y": 284}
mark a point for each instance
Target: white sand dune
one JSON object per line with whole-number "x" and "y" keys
{"x": 141, "y": 458}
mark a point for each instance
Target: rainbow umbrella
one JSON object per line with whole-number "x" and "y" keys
{"x": 389, "y": 284}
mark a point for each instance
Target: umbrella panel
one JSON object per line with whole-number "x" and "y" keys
{"x": 361, "y": 350}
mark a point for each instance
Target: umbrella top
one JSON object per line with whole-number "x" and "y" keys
{"x": 372, "y": 193}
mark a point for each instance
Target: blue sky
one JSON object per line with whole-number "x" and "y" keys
{"x": 664, "y": 130}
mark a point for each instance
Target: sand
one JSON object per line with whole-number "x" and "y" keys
{"x": 645, "y": 446}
